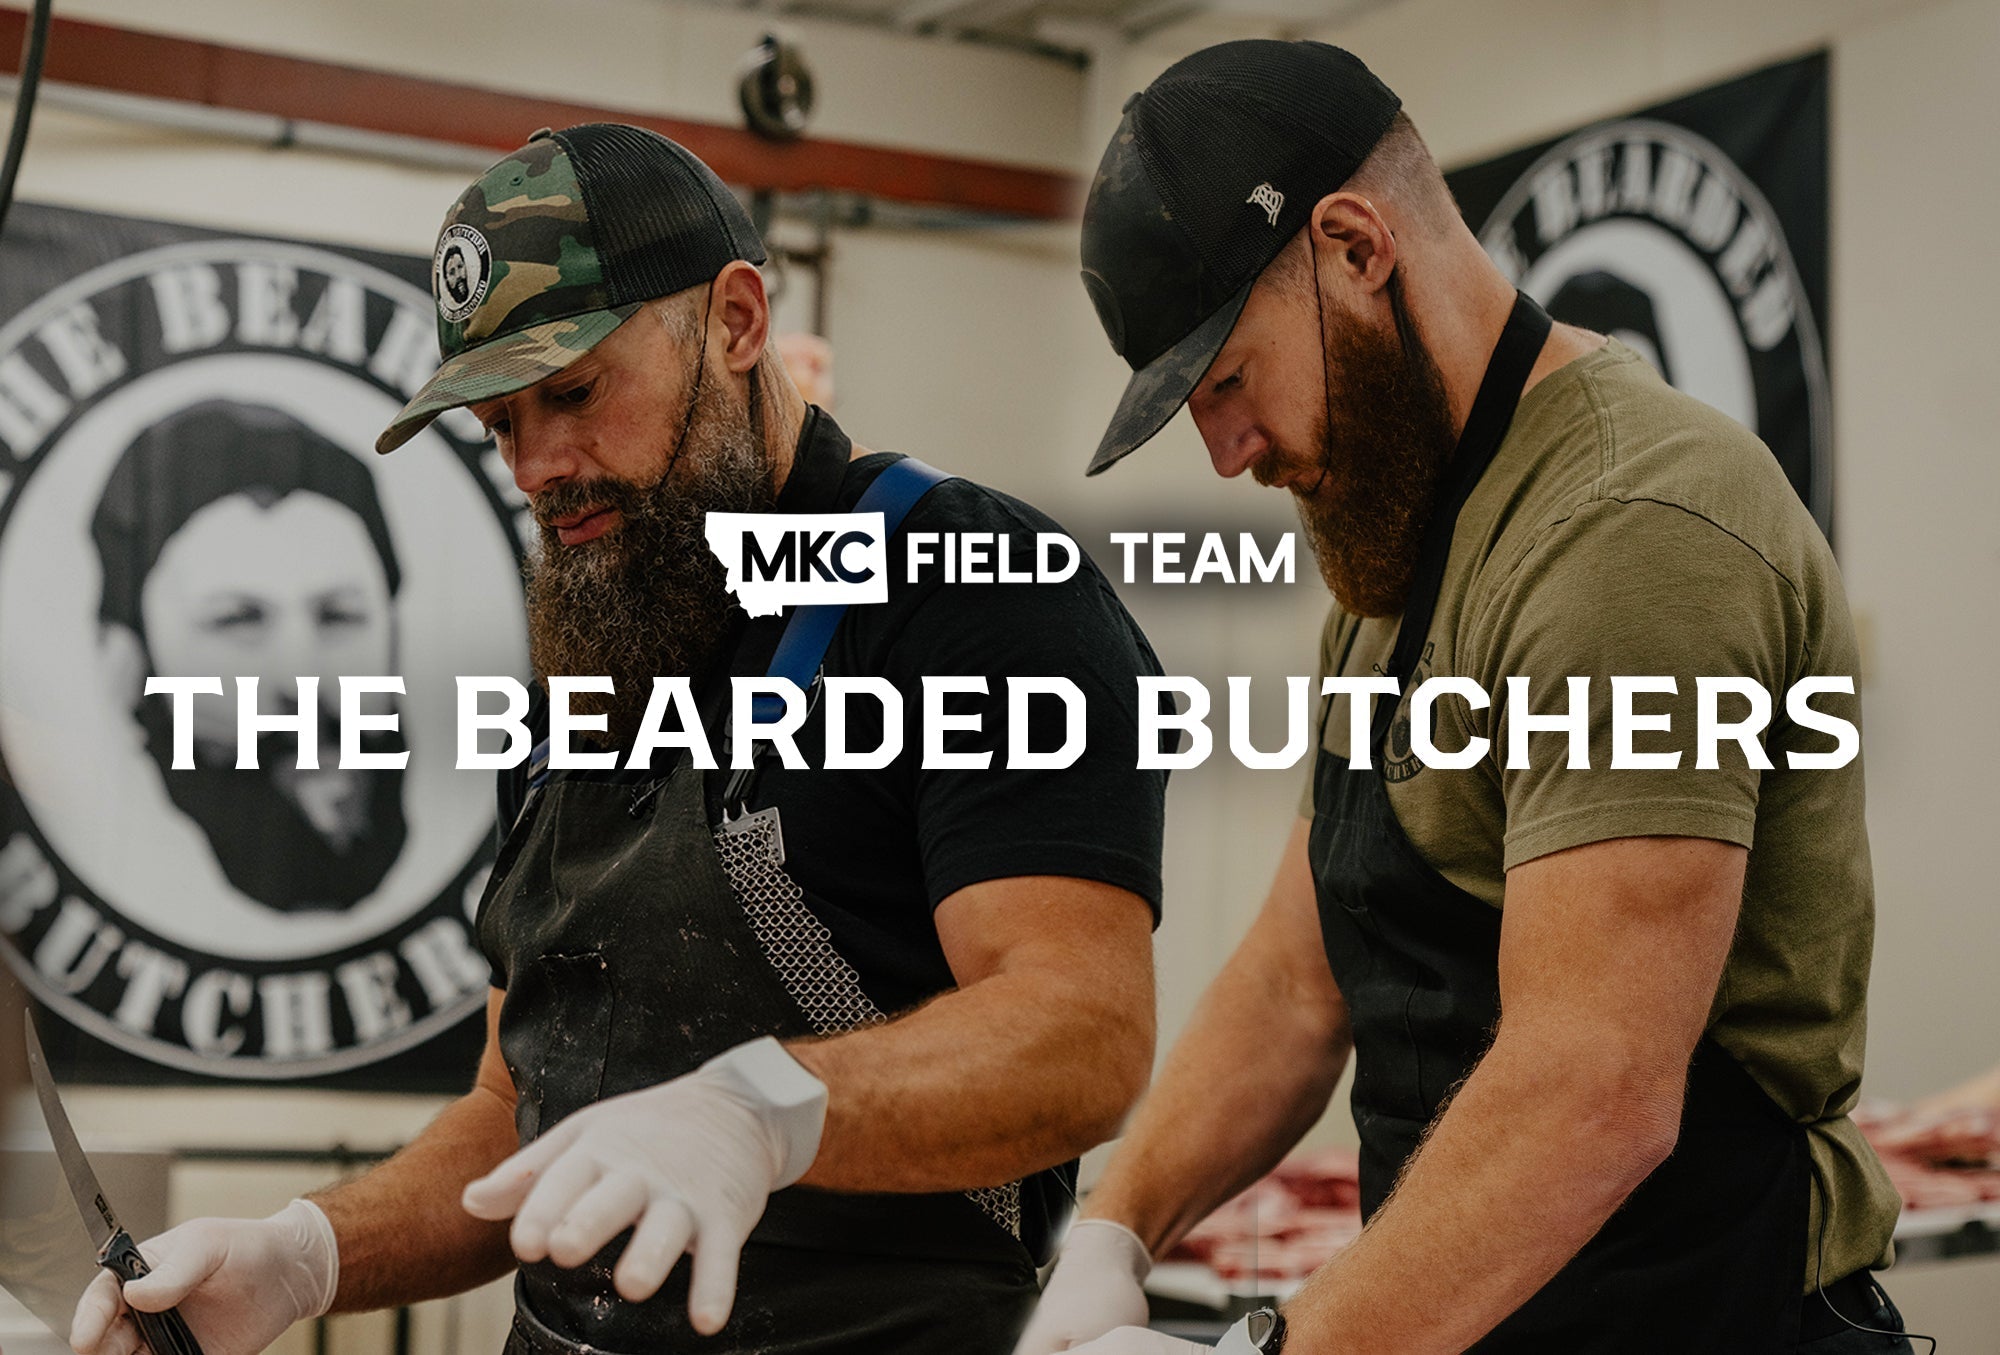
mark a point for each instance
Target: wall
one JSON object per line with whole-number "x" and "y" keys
{"x": 674, "y": 59}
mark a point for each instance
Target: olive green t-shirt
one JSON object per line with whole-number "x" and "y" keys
{"x": 1626, "y": 529}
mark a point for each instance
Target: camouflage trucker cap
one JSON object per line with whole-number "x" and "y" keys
{"x": 556, "y": 246}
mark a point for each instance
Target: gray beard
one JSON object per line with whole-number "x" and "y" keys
{"x": 647, "y": 598}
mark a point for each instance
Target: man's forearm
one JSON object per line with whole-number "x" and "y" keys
{"x": 1538, "y": 1149}
{"x": 981, "y": 1086}
{"x": 402, "y": 1234}
{"x": 1250, "y": 1075}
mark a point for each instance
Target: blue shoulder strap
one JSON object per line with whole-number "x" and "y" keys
{"x": 802, "y": 648}
{"x": 803, "y": 645}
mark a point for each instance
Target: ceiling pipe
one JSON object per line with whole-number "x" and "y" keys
{"x": 329, "y": 104}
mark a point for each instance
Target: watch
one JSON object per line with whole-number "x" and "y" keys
{"x": 1261, "y": 1333}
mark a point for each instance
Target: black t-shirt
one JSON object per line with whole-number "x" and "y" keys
{"x": 875, "y": 851}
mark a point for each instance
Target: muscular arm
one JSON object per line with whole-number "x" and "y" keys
{"x": 1609, "y": 959}
{"x": 1247, "y": 1079}
{"x": 1036, "y": 1056}
{"x": 403, "y": 1235}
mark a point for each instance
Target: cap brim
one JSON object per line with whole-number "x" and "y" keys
{"x": 502, "y": 366}
{"x": 1158, "y": 390}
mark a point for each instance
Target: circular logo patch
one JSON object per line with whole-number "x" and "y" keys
{"x": 1645, "y": 231}
{"x": 460, "y": 272}
{"x": 193, "y": 492}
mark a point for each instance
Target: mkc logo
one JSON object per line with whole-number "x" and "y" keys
{"x": 778, "y": 560}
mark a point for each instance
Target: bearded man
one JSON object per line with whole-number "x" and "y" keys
{"x": 1605, "y": 1003}
{"x": 839, "y": 1035}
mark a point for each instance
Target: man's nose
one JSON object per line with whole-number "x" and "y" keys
{"x": 1234, "y": 444}
{"x": 543, "y": 455}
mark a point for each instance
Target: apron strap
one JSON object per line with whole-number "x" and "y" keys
{"x": 1486, "y": 427}
{"x": 809, "y": 631}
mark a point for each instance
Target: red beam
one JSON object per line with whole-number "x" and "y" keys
{"x": 157, "y": 66}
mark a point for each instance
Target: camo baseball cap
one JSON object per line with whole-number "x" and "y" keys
{"x": 559, "y": 244}
{"x": 1216, "y": 165}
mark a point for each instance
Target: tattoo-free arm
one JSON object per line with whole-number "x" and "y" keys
{"x": 402, "y": 1233}
{"x": 1036, "y": 1056}
{"x": 1245, "y": 1081}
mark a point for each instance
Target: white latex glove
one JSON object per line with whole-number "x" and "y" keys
{"x": 1139, "y": 1341}
{"x": 238, "y": 1282}
{"x": 1098, "y": 1284}
{"x": 690, "y": 1162}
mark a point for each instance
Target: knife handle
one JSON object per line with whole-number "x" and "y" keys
{"x": 165, "y": 1333}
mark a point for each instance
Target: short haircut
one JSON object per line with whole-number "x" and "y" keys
{"x": 1401, "y": 169}
{"x": 206, "y": 453}
{"x": 1399, "y": 172}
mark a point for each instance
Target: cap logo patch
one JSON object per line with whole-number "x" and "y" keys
{"x": 1269, "y": 198}
{"x": 461, "y": 272}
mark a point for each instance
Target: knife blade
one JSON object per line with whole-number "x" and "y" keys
{"x": 165, "y": 1333}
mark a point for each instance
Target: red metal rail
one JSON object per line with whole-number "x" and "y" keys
{"x": 155, "y": 65}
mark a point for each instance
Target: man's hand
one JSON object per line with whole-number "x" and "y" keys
{"x": 690, "y": 1162}
{"x": 239, "y": 1283}
{"x": 1139, "y": 1341}
{"x": 1098, "y": 1285}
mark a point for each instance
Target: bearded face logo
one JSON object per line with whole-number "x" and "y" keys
{"x": 204, "y": 501}
{"x": 461, "y": 272}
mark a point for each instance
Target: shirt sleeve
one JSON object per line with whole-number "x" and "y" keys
{"x": 1100, "y": 818}
{"x": 1632, "y": 589}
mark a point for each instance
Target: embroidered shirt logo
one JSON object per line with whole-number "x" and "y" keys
{"x": 1269, "y": 198}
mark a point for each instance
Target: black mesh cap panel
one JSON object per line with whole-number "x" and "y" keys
{"x": 663, "y": 221}
{"x": 1216, "y": 165}
{"x": 1299, "y": 116}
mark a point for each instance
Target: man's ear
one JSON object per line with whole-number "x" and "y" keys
{"x": 744, "y": 312}
{"x": 1351, "y": 241}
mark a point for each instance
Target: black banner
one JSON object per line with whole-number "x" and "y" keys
{"x": 1695, "y": 231}
{"x": 188, "y": 487}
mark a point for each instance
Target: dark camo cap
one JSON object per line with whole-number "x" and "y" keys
{"x": 1216, "y": 165}
{"x": 559, "y": 244}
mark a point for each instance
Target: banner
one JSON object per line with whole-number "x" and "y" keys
{"x": 1696, "y": 232}
{"x": 188, "y": 487}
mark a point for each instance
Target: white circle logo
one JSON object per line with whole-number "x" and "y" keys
{"x": 461, "y": 271}
{"x": 197, "y": 494}
{"x": 1648, "y": 232}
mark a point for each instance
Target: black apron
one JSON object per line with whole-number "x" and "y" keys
{"x": 638, "y": 940}
{"x": 1709, "y": 1254}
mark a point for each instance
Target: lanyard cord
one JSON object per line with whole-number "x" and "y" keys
{"x": 1819, "y": 1267}
{"x": 1325, "y": 381}
{"x": 694, "y": 390}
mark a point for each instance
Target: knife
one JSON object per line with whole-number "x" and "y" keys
{"x": 165, "y": 1333}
